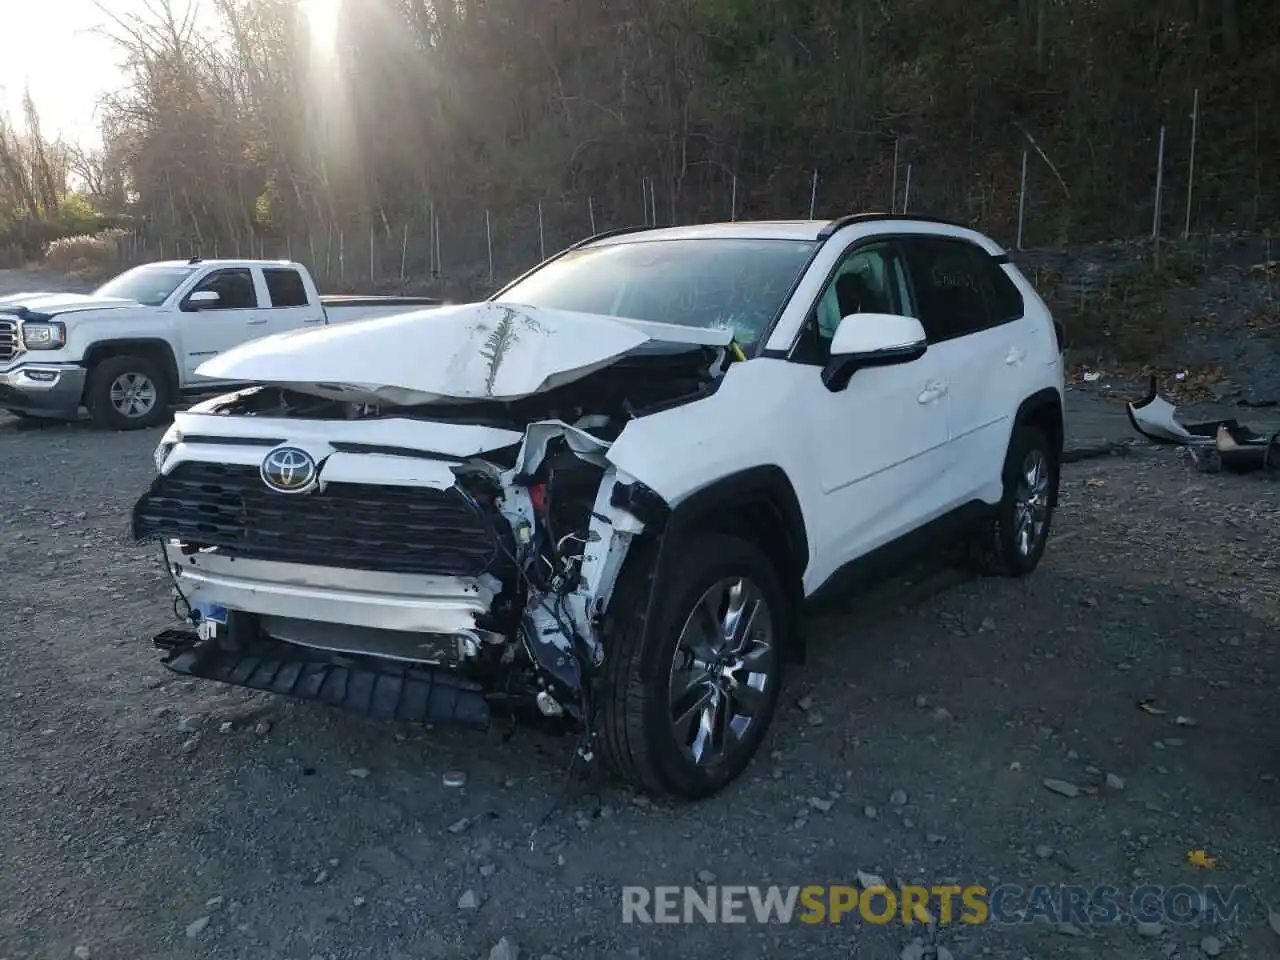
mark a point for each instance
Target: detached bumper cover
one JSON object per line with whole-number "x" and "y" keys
{"x": 380, "y": 689}
{"x": 1226, "y": 443}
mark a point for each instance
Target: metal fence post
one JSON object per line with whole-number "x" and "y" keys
{"x": 488, "y": 236}
{"x": 893, "y": 191}
{"x": 1155, "y": 217}
{"x": 906, "y": 190}
{"x": 1022, "y": 198}
{"x": 1191, "y": 170}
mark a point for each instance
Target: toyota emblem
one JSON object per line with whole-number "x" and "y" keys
{"x": 289, "y": 470}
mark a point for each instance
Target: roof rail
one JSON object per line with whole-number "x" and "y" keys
{"x": 847, "y": 221}
{"x": 619, "y": 231}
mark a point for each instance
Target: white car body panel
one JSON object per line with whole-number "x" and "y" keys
{"x": 59, "y": 303}
{"x": 428, "y": 436}
{"x": 489, "y": 351}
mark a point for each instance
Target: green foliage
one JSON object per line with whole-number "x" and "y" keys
{"x": 76, "y": 216}
{"x": 493, "y": 105}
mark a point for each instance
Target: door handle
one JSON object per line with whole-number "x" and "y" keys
{"x": 932, "y": 391}
{"x": 254, "y": 323}
{"x": 1015, "y": 356}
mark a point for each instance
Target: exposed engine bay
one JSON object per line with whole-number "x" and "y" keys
{"x": 316, "y": 556}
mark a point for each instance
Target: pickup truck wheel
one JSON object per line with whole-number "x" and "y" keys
{"x": 1012, "y": 543}
{"x": 685, "y": 705}
{"x": 127, "y": 393}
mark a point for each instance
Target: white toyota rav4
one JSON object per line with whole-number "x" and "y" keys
{"x": 601, "y": 498}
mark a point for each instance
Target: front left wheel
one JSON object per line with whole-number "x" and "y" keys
{"x": 128, "y": 393}
{"x": 686, "y": 704}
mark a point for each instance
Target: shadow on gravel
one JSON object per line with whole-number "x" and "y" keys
{"x": 914, "y": 744}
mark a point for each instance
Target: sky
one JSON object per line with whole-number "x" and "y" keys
{"x": 51, "y": 45}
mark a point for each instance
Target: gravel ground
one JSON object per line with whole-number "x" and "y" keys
{"x": 150, "y": 817}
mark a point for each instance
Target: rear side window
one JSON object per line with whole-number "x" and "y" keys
{"x": 953, "y": 286}
{"x": 1008, "y": 298}
{"x": 285, "y": 287}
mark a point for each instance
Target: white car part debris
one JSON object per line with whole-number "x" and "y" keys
{"x": 1226, "y": 443}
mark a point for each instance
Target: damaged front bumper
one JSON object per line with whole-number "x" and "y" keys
{"x": 396, "y": 587}
{"x": 1225, "y": 443}
{"x": 384, "y": 645}
{"x": 375, "y": 687}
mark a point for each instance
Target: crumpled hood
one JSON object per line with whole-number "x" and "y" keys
{"x": 53, "y": 304}
{"x": 477, "y": 351}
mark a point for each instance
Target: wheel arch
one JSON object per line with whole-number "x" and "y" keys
{"x": 151, "y": 348}
{"x": 1043, "y": 411}
{"x": 760, "y": 505}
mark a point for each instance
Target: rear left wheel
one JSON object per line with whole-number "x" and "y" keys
{"x": 1012, "y": 543}
{"x": 686, "y": 704}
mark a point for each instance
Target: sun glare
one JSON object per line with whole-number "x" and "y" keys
{"x": 322, "y": 22}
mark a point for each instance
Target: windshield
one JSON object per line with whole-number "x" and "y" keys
{"x": 731, "y": 284}
{"x": 148, "y": 285}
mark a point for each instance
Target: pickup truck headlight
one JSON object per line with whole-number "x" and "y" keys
{"x": 44, "y": 336}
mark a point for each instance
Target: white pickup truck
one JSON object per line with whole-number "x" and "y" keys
{"x": 128, "y": 351}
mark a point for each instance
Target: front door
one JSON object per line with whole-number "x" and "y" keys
{"x": 879, "y": 445}
{"x": 233, "y": 319}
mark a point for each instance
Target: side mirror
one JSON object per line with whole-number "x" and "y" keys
{"x": 872, "y": 340}
{"x": 201, "y": 299}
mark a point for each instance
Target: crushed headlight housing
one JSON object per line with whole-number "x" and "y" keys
{"x": 171, "y": 438}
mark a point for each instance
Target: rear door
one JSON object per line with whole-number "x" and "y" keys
{"x": 234, "y": 319}
{"x": 971, "y": 315}
{"x": 288, "y": 306}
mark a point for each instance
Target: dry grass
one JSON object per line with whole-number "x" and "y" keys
{"x": 90, "y": 257}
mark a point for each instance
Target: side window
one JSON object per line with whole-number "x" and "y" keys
{"x": 234, "y": 287}
{"x": 953, "y": 287}
{"x": 869, "y": 279}
{"x": 285, "y": 287}
{"x": 1008, "y": 299}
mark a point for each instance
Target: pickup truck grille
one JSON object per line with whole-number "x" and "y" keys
{"x": 354, "y": 526}
{"x": 8, "y": 339}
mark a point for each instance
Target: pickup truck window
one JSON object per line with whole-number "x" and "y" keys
{"x": 234, "y": 287}
{"x": 732, "y": 284}
{"x": 149, "y": 285}
{"x": 285, "y": 287}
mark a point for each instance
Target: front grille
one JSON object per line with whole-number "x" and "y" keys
{"x": 8, "y": 340}
{"x": 355, "y": 526}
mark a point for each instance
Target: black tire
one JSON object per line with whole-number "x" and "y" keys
{"x": 995, "y": 550}
{"x": 634, "y": 711}
{"x": 97, "y": 395}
